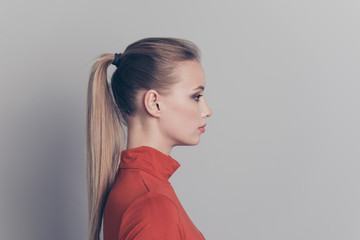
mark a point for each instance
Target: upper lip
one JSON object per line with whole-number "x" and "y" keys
{"x": 203, "y": 125}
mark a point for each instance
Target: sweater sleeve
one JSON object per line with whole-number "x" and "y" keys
{"x": 151, "y": 216}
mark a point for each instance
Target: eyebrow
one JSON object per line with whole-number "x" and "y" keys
{"x": 200, "y": 87}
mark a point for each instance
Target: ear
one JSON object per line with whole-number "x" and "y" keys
{"x": 152, "y": 102}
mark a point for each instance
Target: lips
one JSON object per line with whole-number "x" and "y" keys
{"x": 203, "y": 126}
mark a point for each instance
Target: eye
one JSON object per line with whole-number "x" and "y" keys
{"x": 197, "y": 97}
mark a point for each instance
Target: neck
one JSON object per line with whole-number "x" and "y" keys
{"x": 147, "y": 134}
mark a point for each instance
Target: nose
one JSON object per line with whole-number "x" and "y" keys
{"x": 206, "y": 110}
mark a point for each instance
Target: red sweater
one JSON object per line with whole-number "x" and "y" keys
{"x": 142, "y": 203}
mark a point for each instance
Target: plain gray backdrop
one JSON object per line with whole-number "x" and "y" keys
{"x": 280, "y": 156}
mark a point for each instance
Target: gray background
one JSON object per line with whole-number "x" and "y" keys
{"x": 280, "y": 156}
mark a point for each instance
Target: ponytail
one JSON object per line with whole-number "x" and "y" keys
{"x": 104, "y": 142}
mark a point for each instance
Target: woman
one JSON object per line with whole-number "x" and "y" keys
{"x": 157, "y": 94}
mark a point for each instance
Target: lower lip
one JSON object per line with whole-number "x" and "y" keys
{"x": 202, "y": 129}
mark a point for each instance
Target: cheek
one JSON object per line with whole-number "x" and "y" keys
{"x": 180, "y": 122}
{"x": 185, "y": 112}
{"x": 182, "y": 115}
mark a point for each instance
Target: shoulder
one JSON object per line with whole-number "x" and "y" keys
{"x": 127, "y": 188}
{"x": 152, "y": 204}
{"x": 153, "y": 215}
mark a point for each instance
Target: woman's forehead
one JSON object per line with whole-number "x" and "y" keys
{"x": 190, "y": 75}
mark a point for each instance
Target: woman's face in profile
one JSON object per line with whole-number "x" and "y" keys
{"x": 184, "y": 109}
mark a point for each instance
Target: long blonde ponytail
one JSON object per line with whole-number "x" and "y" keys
{"x": 104, "y": 142}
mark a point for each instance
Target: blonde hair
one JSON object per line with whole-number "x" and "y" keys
{"x": 145, "y": 64}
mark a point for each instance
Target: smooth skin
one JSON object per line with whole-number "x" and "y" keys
{"x": 165, "y": 121}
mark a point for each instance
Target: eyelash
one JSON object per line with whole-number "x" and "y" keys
{"x": 197, "y": 97}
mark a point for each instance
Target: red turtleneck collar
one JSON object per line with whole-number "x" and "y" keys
{"x": 149, "y": 160}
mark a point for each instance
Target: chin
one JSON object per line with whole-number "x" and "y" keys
{"x": 197, "y": 142}
{"x": 192, "y": 142}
